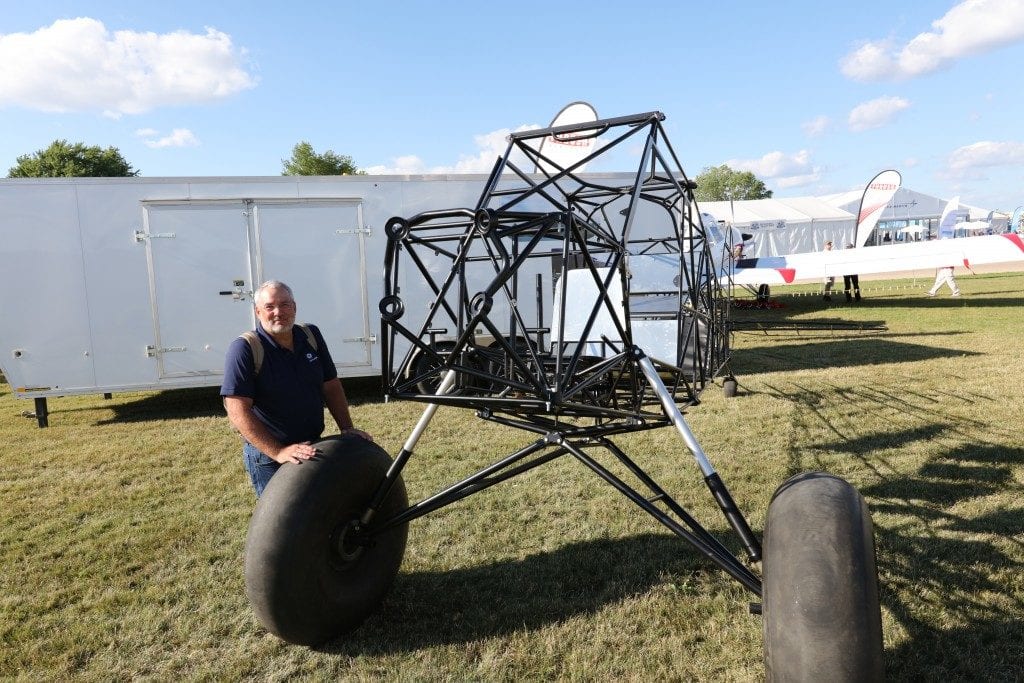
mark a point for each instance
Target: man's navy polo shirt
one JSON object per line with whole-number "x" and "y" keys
{"x": 288, "y": 392}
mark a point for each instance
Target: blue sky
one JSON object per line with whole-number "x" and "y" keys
{"x": 812, "y": 97}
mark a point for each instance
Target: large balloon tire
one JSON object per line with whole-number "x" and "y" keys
{"x": 821, "y": 615}
{"x": 307, "y": 585}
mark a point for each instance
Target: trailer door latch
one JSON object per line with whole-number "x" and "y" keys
{"x": 141, "y": 236}
{"x": 153, "y": 352}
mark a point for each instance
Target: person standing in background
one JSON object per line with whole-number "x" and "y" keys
{"x": 944, "y": 276}
{"x": 853, "y": 281}
{"x": 830, "y": 281}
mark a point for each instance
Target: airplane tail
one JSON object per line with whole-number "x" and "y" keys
{"x": 873, "y": 202}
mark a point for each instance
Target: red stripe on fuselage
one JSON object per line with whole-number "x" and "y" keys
{"x": 788, "y": 274}
{"x": 1015, "y": 238}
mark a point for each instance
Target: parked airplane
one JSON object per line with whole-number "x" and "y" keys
{"x": 988, "y": 252}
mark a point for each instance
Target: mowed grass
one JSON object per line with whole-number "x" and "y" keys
{"x": 122, "y": 525}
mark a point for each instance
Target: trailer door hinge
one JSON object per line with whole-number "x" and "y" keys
{"x": 372, "y": 339}
{"x": 354, "y": 231}
{"x": 141, "y": 236}
{"x": 152, "y": 351}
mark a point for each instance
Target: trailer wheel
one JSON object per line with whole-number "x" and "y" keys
{"x": 307, "y": 577}
{"x": 498, "y": 360}
{"x": 821, "y": 615}
{"x": 422, "y": 364}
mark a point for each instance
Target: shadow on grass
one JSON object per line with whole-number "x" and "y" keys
{"x": 801, "y": 305}
{"x": 835, "y": 353}
{"x": 956, "y": 570}
{"x": 767, "y": 323}
{"x": 176, "y": 404}
{"x": 943, "y": 300}
{"x": 182, "y": 404}
{"x": 949, "y": 590}
{"x": 796, "y": 311}
{"x": 987, "y": 650}
{"x": 426, "y": 609}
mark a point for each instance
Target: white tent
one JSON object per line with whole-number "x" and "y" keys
{"x": 905, "y": 205}
{"x": 786, "y": 226}
{"x": 802, "y": 224}
{"x": 912, "y": 206}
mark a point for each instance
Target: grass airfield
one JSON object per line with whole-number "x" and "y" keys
{"x": 122, "y": 525}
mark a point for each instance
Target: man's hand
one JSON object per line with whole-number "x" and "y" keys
{"x": 296, "y": 453}
{"x": 357, "y": 432}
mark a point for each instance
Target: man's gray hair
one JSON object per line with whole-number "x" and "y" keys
{"x": 271, "y": 284}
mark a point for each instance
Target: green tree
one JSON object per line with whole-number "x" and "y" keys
{"x": 721, "y": 183}
{"x": 63, "y": 160}
{"x": 305, "y": 161}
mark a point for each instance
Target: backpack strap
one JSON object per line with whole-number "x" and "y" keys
{"x": 257, "y": 346}
{"x": 309, "y": 335}
{"x": 257, "y": 349}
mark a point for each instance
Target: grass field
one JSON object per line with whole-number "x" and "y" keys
{"x": 122, "y": 525}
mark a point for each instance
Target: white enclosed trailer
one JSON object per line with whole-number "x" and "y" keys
{"x": 129, "y": 284}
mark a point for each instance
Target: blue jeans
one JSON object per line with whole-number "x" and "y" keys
{"x": 260, "y": 467}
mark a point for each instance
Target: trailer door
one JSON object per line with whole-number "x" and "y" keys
{"x": 318, "y": 247}
{"x": 200, "y": 283}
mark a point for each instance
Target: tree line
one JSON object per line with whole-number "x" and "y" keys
{"x": 65, "y": 160}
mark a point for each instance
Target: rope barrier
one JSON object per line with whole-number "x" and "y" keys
{"x": 920, "y": 287}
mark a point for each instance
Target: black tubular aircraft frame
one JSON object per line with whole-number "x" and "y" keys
{"x": 584, "y": 369}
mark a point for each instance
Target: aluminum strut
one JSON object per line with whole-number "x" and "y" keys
{"x": 410, "y": 445}
{"x": 711, "y": 478}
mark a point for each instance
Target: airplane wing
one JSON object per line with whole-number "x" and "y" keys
{"x": 969, "y": 252}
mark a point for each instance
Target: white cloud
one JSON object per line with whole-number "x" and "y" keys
{"x": 79, "y": 65}
{"x": 179, "y": 137}
{"x": 869, "y": 62}
{"x": 406, "y": 165}
{"x": 783, "y": 170}
{"x": 971, "y": 27}
{"x": 797, "y": 180}
{"x": 816, "y": 126}
{"x": 986, "y": 153}
{"x": 876, "y": 113}
{"x": 490, "y": 146}
{"x": 773, "y": 164}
